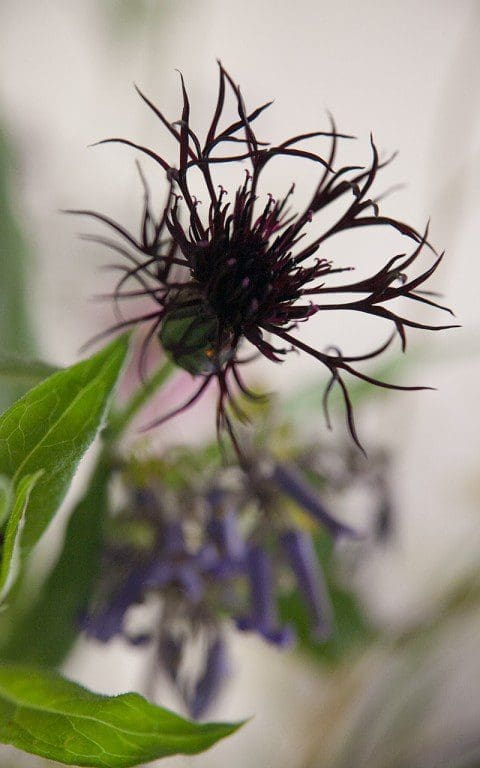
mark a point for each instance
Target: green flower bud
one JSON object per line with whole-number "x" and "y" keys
{"x": 189, "y": 335}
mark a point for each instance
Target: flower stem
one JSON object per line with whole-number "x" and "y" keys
{"x": 121, "y": 419}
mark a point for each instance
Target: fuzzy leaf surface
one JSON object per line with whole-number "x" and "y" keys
{"x": 53, "y": 617}
{"x": 47, "y": 715}
{"x": 5, "y": 498}
{"x": 11, "y": 551}
{"x": 52, "y": 426}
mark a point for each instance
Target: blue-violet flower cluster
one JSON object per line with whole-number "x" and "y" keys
{"x": 213, "y": 545}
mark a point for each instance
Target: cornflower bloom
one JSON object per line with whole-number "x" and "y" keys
{"x": 249, "y": 269}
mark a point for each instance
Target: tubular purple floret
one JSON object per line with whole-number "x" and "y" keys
{"x": 295, "y": 487}
{"x": 215, "y": 671}
{"x": 305, "y": 565}
{"x": 263, "y": 617}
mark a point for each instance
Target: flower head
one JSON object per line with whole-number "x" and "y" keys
{"x": 249, "y": 269}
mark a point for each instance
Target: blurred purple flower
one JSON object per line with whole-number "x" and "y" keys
{"x": 263, "y": 616}
{"x": 217, "y": 548}
{"x": 290, "y": 482}
{"x": 307, "y": 569}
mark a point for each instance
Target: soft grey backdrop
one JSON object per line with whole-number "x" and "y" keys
{"x": 409, "y": 71}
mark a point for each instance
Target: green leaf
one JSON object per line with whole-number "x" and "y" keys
{"x": 26, "y": 373}
{"x": 5, "y": 498}
{"x": 52, "y": 426}
{"x": 44, "y": 634}
{"x": 11, "y": 552}
{"x": 45, "y": 714}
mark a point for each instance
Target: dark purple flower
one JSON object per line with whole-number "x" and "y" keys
{"x": 248, "y": 269}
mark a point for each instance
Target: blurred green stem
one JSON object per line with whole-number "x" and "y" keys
{"x": 120, "y": 420}
{"x": 15, "y": 265}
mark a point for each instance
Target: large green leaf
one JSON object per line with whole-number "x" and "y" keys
{"x": 43, "y": 633}
{"x": 52, "y": 426}
{"x": 45, "y": 714}
{"x": 11, "y": 552}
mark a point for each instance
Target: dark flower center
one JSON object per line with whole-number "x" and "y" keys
{"x": 235, "y": 277}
